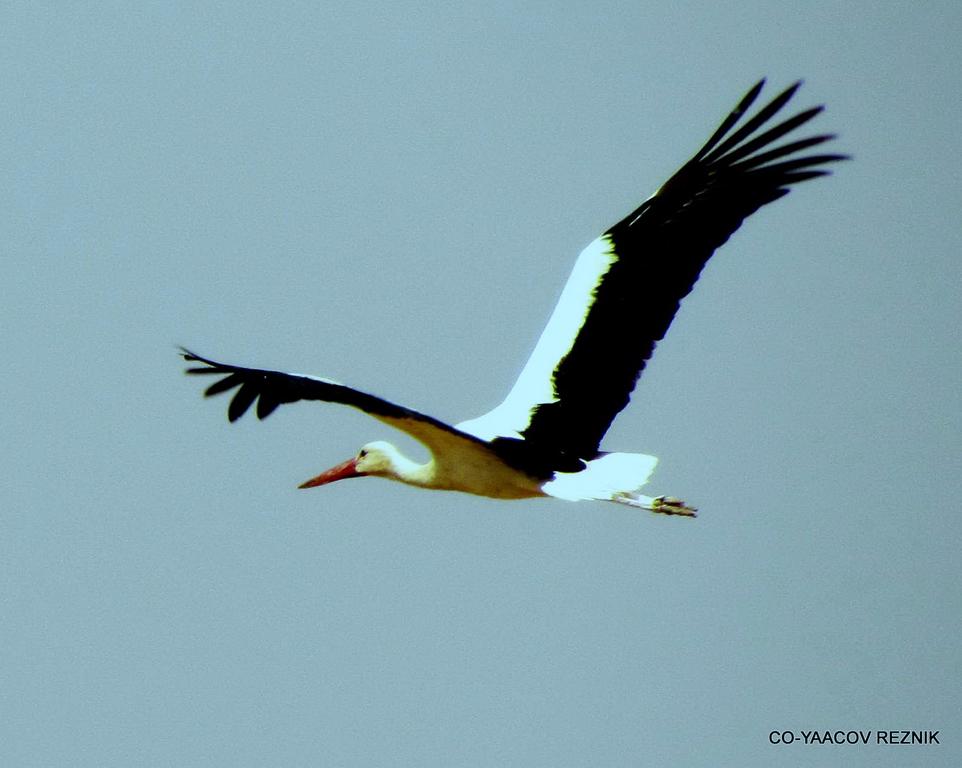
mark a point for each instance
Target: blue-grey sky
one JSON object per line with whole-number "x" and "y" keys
{"x": 392, "y": 195}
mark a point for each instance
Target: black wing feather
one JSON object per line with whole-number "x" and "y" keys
{"x": 786, "y": 149}
{"x": 242, "y": 400}
{"x": 225, "y": 384}
{"x": 660, "y": 250}
{"x": 709, "y": 153}
{"x": 273, "y": 388}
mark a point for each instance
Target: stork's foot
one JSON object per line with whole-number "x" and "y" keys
{"x": 669, "y": 505}
{"x": 661, "y": 505}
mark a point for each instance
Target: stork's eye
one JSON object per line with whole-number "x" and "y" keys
{"x": 362, "y": 453}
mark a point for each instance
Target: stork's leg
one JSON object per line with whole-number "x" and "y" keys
{"x": 662, "y": 505}
{"x": 669, "y": 505}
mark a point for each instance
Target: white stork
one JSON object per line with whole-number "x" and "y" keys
{"x": 544, "y": 439}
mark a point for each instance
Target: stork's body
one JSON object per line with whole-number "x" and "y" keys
{"x": 544, "y": 439}
{"x": 465, "y": 467}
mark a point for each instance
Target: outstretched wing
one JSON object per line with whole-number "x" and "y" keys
{"x": 627, "y": 285}
{"x": 269, "y": 389}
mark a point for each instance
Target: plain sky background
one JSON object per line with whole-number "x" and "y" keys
{"x": 393, "y": 194}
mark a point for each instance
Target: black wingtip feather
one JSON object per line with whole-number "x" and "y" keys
{"x": 228, "y": 382}
{"x": 245, "y": 396}
{"x": 733, "y": 117}
{"x": 266, "y": 406}
{"x": 796, "y": 177}
{"x": 209, "y": 366}
{"x": 759, "y": 119}
{"x": 760, "y": 159}
{"x": 736, "y": 151}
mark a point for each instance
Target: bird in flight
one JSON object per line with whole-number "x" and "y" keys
{"x": 544, "y": 438}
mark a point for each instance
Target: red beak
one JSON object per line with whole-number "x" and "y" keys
{"x": 340, "y": 472}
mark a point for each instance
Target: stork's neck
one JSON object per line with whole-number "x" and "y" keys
{"x": 465, "y": 465}
{"x": 409, "y": 471}
{"x": 466, "y": 468}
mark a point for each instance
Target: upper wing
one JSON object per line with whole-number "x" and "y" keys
{"x": 273, "y": 388}
{"x": 627, "y": 285}
{"x": 270, "y": 389}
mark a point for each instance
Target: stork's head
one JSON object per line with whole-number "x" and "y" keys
{"x": 375, "y": 458}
